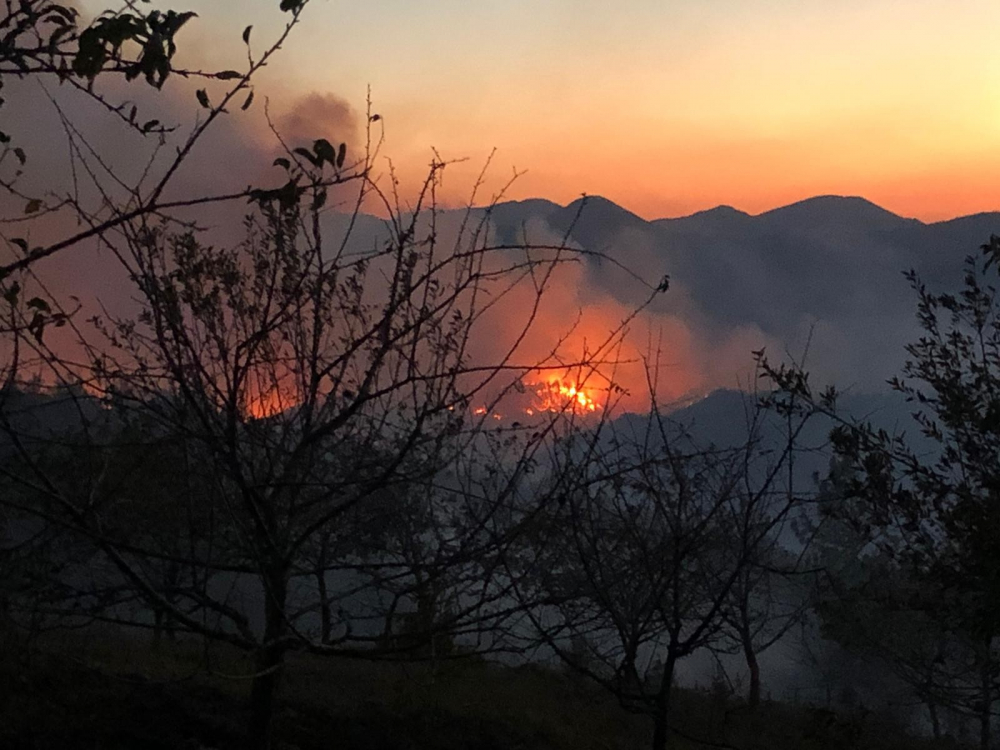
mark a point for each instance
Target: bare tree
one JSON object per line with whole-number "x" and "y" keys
{"x": 766, "y": 602}
{"x": 640, "y": 561}
{"x": 313, "y": 401}
{"x": 277, "y": 448}
{"x": 770, "y": 594}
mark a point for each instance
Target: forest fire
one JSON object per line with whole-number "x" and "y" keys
{"x": 559, "y": 395}
{"x": 553, "y": 396}
{"x": 268, "y": 403}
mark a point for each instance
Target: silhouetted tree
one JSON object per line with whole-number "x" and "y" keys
{"x": 867, "y": 603}
{"x": 934, "y": 511}
{"x": 643, "y": 556}
{"x": 767, "y": 600}
{"x": 311, "y": 403}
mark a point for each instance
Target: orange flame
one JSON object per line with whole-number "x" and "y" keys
{"x": 554, "y": 396}
{"x": 558, "y": 395}
{"x": 261, "y": 404}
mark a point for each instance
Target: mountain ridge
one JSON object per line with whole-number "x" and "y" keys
{"x": 824, "y": 201}
{"x": 830, "y": 264}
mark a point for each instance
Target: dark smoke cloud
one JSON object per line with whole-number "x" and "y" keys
{"x": 236, "y": 152}
{"x": 320, "y": 115}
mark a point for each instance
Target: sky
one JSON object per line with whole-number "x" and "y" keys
{"x": 665, "y": 107}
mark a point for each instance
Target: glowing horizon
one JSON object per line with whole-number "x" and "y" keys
{"x": 663, "y": 108}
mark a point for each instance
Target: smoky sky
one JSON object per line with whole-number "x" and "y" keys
{"x": 821, "y": 279}
{"x": 826, "y": 272}
{"x": 49, "y": 122}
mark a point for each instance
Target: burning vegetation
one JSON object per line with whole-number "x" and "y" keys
{"x": 560, "y": 395}
{"x": 552, "y": 396}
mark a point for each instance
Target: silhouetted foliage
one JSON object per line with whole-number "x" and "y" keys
{"x": 931, "y": 513}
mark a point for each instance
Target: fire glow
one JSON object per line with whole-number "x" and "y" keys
{"x": 269, "y": 402}
{"x": 558, "y": 395}
{"x": 551, "y": 396}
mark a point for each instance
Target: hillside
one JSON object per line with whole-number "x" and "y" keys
{"x": 113, "y": 691}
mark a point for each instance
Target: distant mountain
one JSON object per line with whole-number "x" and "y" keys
{"x": 833, "y": 212}
{"x": 830, "y": 263}
{"x": 827, "y": 270}
{"x": 720, "y": 411}
{"x": 721, "y": 419}
{"x": 721, "y": 219}
{"x": 597, "y": 219}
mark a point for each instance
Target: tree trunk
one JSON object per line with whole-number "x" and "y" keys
{"x": 986, "y": 704}
{"x": 661, "y": 715}
{"x": 753, "y": 698}
{"x": 269, "y": 664}
{"x": 326, "y": 617}
{"x": 935, "y": 721}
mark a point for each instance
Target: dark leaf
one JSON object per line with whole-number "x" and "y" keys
{"x": 341, "y": 155}
{"x": 34, "y": 206}
{"x": 180, "y": 19}
{"x": 324, "y": 152}
{"x": 66, "y": 12}
{"x": 228, "y": 75}
{"x": 19, "y": 153}
{"x": 203, "y": 99}
{"x": 246, "y": 34}
{"x": 10, "y": 294}
{"x": 58, "y": 34}
{"x": 282, "y": 162}
{"x": 37, "y": 326}
{"x": 248, "y": 102}
{"x": 306, "y": 154}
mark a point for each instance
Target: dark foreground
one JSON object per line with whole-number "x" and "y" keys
{"x": 115, "y": 692}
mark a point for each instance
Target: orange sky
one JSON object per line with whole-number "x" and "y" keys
{"x": 664, "y": 106}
